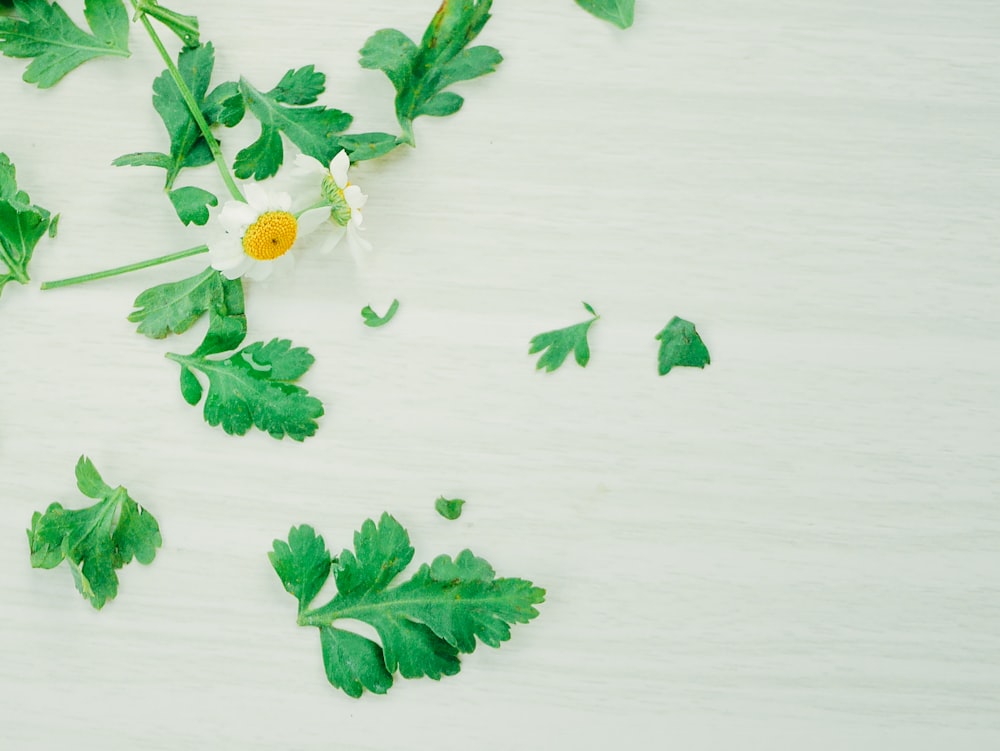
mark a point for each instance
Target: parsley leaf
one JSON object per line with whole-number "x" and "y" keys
{"x": 44, "y": 32}
{"x": 191, "y": 204}
{"x": 559, "y": 343}
{"x": 450, "y": 509}
{"x": 373, "y": 320}
{"x": 681, "y": 345}
{"x": 280, "y": 110}
{"x": 22, "y": 225}
{"x": 423, "y": 624}
{"x": 95, "y": 541}
{"x": 254, "y": 387}
{"x": 223, "y": 106}
{"x": 619, "y": 12}
{"x": 420, "y": 74}
{"x": 174, "y": 307}
{"x": 185, "y": 27}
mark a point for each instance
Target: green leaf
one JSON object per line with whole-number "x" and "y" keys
{"x": 254, "y": 387}
{"x": 373, "y": 320}
{"x": 450, "y": 509}
{"x": 681, "y": 346}
{"x": 191, "y": 204}
{"x": 363, "y": 146}
{"x": 174, "y": 307}
{"x": 559, "y": 343}
{"x": 222, "y": 106}
{"x": 44, "y": 32}
{"x": 421, "y": 73}
{"x": 94, "y": 541}
{"x": 619, "y": 12}
{"x": 424, "y": 624}
{"x": 303, "y": 563}
{"x": 280, "y": 110}
{"x": 22, "y": 225}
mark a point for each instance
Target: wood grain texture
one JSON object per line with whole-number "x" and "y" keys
{"x": 798, "y": 547}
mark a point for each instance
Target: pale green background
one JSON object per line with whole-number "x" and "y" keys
{"x": 797, "y": 548}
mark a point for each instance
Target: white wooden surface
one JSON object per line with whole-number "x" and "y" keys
{"x": 795, "y": 548}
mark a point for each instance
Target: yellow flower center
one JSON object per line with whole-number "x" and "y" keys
{"x": 271, "y": 236}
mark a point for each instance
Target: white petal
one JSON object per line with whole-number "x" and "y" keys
{"x": 357, "y": 217}
{"x": 280, "y": 202}
{"x": 257, "y": 197}
{"x": 359, "y": 247}
{"x": 307, "y": 165}
{"x": 236, "y": 216}
{"x": 239, "y": 270}
{"x": 312, "y": 220}
{"x": 333, "y": 238}
{"x": 260, "y": 270}
{"x": 338, "y": 168}
{"x": 354, "y": 197}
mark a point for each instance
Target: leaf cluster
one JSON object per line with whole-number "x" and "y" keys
{"x": 251, "y": 387}
{"x": 223, "y": 105}
{"x": 423, "y": 624}
{"x": 44, "y": 32}
{"x": 421, "y": 73}
{"x": 95, "y": 541}
{"x": 22, "y": 225}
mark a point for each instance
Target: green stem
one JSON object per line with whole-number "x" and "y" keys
{"x": 192, "y": 106}
{"x": 126, "y": 269}
{"x": 15, "y": 271}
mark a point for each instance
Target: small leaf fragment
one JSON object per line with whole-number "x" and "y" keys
{"x": 191, "y": 204}
{"x": 619, "y": 12}
{"x": 94, "y": 541}
{"x": 450, "y": 509}
{"x": 681, "y": 346}
{"x": 559, "y": 343}
{"x": 373, "y": 320}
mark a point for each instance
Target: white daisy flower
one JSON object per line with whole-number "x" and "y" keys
{"x": 259, "y": 233}
{"x": 345, "y": 199}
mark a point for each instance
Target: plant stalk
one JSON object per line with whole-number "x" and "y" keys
{"x": 126, "y": 269}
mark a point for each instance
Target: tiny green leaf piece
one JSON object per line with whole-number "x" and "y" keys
{"x": 44, "y": 32}
{"x": 559, "y": 343}
{"x": 373, "y": 320}
{"x": 421, "y": 73}
{"x": 54, "y": 226}
{"x": 222, "y": 106}
{"x": 22, "y": 225}
{"x": 185, "y": 27}
{"x": 364, "y": 146}
{"x": 619, "y": 12}
{"x": 303, "y": 563}
{"x": 313, "y": 129}
{"x": 450, "y": 509}
{"x": 681, "y": 346}
{"x": 174, "y": 307}
{"x": 444, "y": 610}
{"x": 254, "y": 387}
{"x": 95, "y": 541}
{"x": 191, "y": 204}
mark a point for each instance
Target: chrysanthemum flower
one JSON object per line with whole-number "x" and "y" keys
{"x": 259, "y": 233}
{"x": 345, "y": 199}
